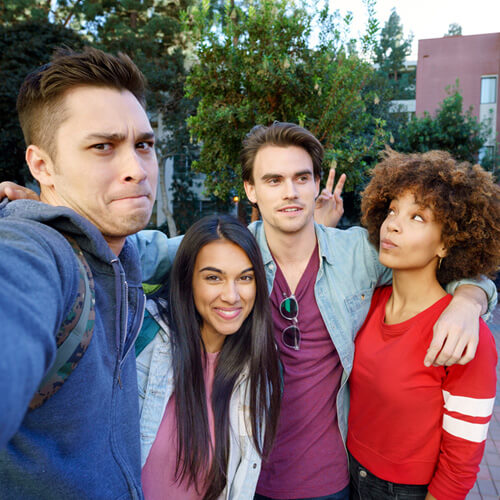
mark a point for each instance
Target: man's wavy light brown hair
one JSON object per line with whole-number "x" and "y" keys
{"x": 462, "y": 197}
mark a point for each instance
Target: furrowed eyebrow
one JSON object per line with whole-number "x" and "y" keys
{"x": 116, "y": 137}
{"x": 146, "y": 136}
{"x": 105, "y": 137}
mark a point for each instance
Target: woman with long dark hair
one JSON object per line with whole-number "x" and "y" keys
{"x": 209, "y": 382}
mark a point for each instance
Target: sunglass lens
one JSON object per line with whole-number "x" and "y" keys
{"x": 289, "y": 308}
{"x": 291, "y": 337}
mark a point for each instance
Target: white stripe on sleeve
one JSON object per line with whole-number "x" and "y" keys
{"x": 465, "y": 430}
{"x": 473, "y": 407}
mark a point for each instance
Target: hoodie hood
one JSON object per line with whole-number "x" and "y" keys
{"x": 67, "y": 221}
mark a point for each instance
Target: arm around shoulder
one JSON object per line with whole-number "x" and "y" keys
{"x": 456, "y": 331}
{"x": 157, "y": 252}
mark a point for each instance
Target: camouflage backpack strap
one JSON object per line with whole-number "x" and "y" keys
{"x": 74, "y": 335}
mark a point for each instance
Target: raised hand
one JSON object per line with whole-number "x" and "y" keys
{"x": 329, "y": 204}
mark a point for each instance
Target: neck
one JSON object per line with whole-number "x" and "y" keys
{"x": 116, "y": 244}
{"x": 292, "y": 252}
{"x": 291, "y": 248}
{"x": 413, "y": 291}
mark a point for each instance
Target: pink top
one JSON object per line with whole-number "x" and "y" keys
{"x": 158, "y": 473}
{"x": 308, "y": 458}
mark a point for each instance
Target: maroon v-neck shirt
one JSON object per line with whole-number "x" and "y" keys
{"x": 308, "y": 458}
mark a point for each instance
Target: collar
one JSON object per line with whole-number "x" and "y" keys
{"x": 325, "y": 249}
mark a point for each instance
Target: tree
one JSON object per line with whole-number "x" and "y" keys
{"x": 452, "y": 130}
{"x": 454, "y": 30}
{"x": 257, "y": 67}
{"x": 24, "y": 46}
{"x": 390, "y": 56}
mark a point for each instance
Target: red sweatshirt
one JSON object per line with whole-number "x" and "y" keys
{"x": 416, "y": 425}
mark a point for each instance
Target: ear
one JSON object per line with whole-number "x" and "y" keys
{"x": 250, "y": 191}
{"x": 317, "y": 181}
{"x": 40, "y": 165}
{"x": 442, "y": 252}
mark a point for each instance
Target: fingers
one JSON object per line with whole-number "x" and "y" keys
{"x": 340, "y": 186}
{"x": 15, "y": 192}
{"x": 450, "y": 346}
{"x": 469, "y": 353}
{"x": 434, "y": 348}
{"x": 330, "y": 180}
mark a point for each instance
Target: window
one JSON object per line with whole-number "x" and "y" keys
{"x": 488, "y": 89}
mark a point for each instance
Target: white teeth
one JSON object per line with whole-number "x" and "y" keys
{"x": 227, "y": 313}
{"x": 290, "y": 210}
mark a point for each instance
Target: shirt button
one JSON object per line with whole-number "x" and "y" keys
{"x": 362, "y": 473}
{"x": 254, "y": 466}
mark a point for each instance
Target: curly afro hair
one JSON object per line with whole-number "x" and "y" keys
{"x": 463, "y": 198}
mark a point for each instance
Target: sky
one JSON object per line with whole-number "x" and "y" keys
{"x": 427, "y": 18}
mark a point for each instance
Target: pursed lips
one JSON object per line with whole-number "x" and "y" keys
{"x": 387, "y": 244}
{"x": 132, "y": 196}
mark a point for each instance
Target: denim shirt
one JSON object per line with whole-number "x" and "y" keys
{"x": 156, "y": 385}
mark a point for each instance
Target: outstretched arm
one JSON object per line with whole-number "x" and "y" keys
{"x": 329, "y": 204}
{"x": 456, "y": 331}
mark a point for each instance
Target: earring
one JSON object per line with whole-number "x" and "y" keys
{"x": 439, "y": 262}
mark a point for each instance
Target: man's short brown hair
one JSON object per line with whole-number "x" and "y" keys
{"x": 40, "y": 100}
{"x": 279, "y": 134}
{"x": 462, "y": 197}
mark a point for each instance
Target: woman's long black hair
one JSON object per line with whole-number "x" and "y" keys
{"x": 252, "y": 346}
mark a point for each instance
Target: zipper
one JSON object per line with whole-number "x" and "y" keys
{"x": 136, "y": 327}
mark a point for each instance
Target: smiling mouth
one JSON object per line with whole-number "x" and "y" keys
{"x": 289, "y": 210}
{"x": 228, "y": 313}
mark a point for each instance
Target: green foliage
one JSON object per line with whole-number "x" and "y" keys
{"x": 454, "y": 30}
{"x": 451, "y": 130}
{"x": 390, "y": 56}
{"x": 24, "y": 46}
{"x": 255, "y": 65}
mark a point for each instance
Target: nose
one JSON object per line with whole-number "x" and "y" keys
{"x": 230, "y": 292}
{"x": 290, "y": 190}
{"x": 393, "y": 224}
{"x": 134, "y": 169}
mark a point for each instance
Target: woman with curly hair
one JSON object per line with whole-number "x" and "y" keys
{"x": 417, "y": 431}
{"x": 209, "y": 381}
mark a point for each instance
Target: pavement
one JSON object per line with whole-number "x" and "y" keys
{"x": 487, "y": 486}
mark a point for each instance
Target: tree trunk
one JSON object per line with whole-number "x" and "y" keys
{"x": 172, "y": 229}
